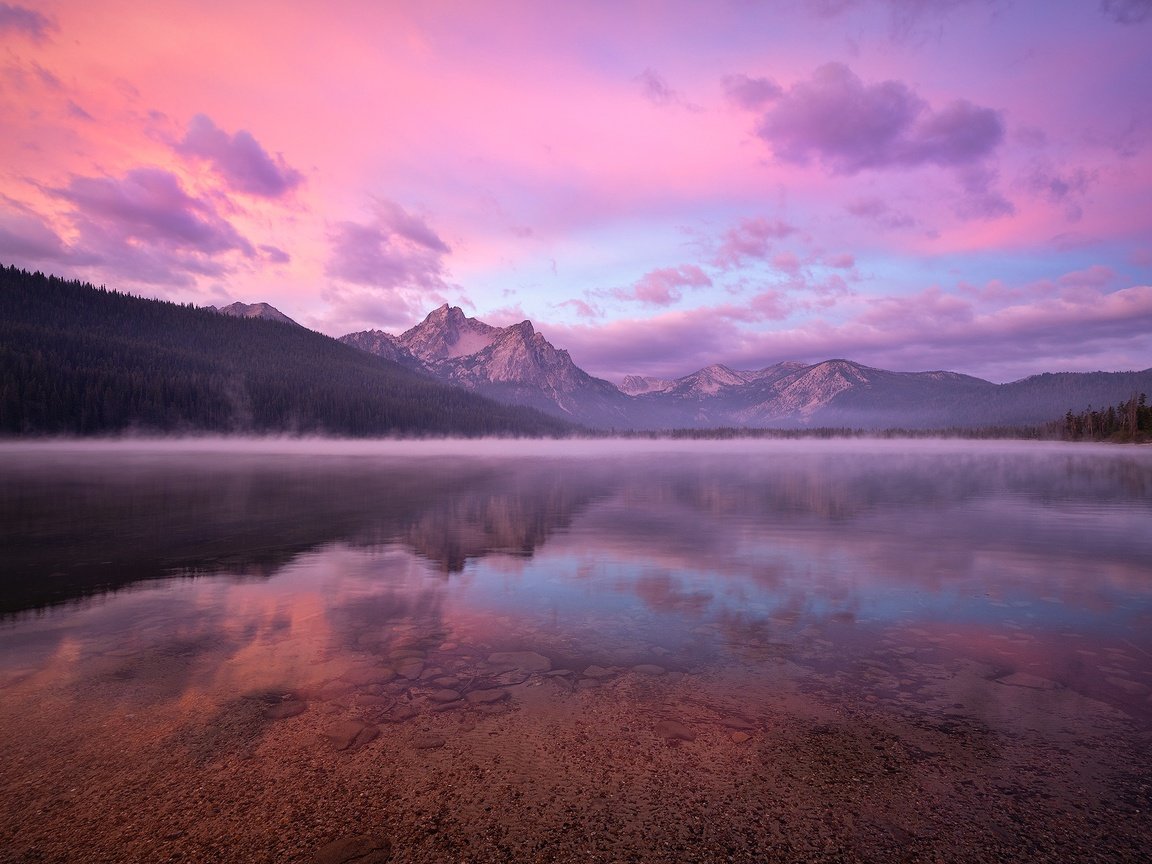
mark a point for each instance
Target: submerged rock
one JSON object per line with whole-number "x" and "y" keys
{"x": 674, "y": 730}
{"x": 486, "y": 697}
{"x": 527, "y": 660}
{"x": 351, "y": 734}
{"x": 355, "y": 850}
{"x": 290, "y": 708}
{"x": 1026, "y": 679}
{"x": 595, "y": 671}
{"x": 648, "y": 669}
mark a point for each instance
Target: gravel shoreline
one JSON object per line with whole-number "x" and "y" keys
{"x": 451, "y": 753}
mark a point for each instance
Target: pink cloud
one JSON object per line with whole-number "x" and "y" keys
{"x": 786, "y": 262}
{"x": 751, "y": 238}
{"x": 661, "y": 287}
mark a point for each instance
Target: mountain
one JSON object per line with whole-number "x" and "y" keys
{"x": 841, "y": 393}
{"x": 383, "y": 345}
{"x": 634, "y": 385}
{"x": 254, "y": 310}
{"x": 77, "y": 360}
{"x": 515, "y": 365}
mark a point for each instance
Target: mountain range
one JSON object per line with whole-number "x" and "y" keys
{"x": 517, "y": 365}
{"x": 75, "y": 359}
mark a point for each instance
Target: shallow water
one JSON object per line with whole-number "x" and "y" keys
{"x": 978, "y": 614}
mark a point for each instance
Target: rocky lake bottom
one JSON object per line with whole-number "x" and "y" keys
{"x": 810, "y": 655}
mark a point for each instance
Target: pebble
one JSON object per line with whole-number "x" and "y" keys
{"x": 355, "y": 850}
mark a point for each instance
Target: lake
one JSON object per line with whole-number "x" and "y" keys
{"x": 575, "y": 651}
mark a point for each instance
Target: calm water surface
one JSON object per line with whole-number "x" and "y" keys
{"x": 1007, "y": 586}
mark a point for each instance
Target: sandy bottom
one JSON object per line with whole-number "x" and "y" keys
{"x": 433, "y": 752}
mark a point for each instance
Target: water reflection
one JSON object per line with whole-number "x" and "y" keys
{"x": 570, "y": 554}
{"x": 1008, "y": 587}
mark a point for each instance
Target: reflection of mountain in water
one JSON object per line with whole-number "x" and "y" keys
{"x": 71, "y": 530}
{"x": 74, "y": 526}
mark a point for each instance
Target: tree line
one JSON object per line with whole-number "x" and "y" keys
{"x": 81, "y": 360}
{"x": 1129, "y": 421}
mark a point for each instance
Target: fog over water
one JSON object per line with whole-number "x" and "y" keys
{"x": 1004, "y": 586}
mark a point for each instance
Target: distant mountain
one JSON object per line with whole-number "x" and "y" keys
{"x": 634, "y": 385}
{"x": 518, "y": 365}
{"x": 841, "y": 393}
{"x": 515, "y": 365}
{"x": 254, "y": 310}
{"x": 78, "y": 360}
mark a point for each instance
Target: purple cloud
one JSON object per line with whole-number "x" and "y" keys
{"x": 148, "y": 205}
{"x": 850, "y": 127}
{"x": 752, "y": 238}
{"x": 655, "y": 88}
{"x": 750, "y": 93}
{"x": 657, "y": 91}
{"x": 239, "y": 159}
{"x": 395, "y": 250}
{"x": 980, "y": 200}
{"x": 1127, "y": 11}
{"x": 30, "y": 23}
{"x": 275, "y": 254}
{"x": 880, "y": 214}
{"x": 1064, "y": 188}
{"x": 27, "y": 239}
{"x": 661, "y": 287}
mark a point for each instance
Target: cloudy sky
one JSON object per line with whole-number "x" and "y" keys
{"x": 912, "y": 184}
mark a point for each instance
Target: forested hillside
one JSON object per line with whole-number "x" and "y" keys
{"x": 79, "y": 360}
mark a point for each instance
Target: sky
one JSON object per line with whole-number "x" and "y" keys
{"x": 657, "y": 186}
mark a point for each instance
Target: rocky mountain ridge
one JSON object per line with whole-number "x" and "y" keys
{"x": 518, "y": 365}
{"x": 253, "y": 310}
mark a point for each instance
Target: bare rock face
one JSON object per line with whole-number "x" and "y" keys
{"x": 382, "y": 345}
{"x": 446, "y": 334}
{"x": 513, "y": 364}
{"x": 254, "y": 310}
{"x": 634, "y": 385}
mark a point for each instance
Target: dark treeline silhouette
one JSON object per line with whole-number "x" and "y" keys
{"x": 1044, "y": 432}
{"x": 79, "y": 360}
{"x": 1130, "y": 420}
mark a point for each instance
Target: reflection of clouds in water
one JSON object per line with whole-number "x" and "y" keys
{"x": 757, "y": 538}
